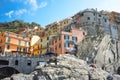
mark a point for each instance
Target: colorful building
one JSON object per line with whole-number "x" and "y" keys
{"x": 65, "y": 42}
{"x": 52, "y": 28}
{"x": 44, "y": 44}
{"x": 57, "y": 27}
{"x": 11, "y": 43}
{"x": 34, "y": 45}
{"x": 64, "y": 23}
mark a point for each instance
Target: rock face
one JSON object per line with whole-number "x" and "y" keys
{"x": 68, "y": 68}
{"x": 103, "y": 51}
{"x": 107, "y": 55}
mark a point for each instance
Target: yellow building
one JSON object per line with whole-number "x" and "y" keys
{"x": 34, "y": 45}
{"x": 44, "y": 45}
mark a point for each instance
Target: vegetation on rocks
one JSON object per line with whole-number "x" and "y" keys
{"x": 16, "y": 25}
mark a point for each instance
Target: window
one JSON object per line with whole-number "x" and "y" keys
{"x": 47, "y": 50}
{"x": 41, "y": 40}
{"x": 82, "y": 14}
{"x": 59, "y": 37}
{"x": 94, "y": 14}
{"x": 66, "y": 45}
{"x": 83, "y": 33}
{"x": 24, "y": 49}
{"x": 47, "y": 38}
{"x": 41, "y": 45}
{"x": 66, "y": 37}
{"x": 51, "y": 49}
{"x": 18, "y": 49}
{"x": 55, "y": 40}
{"x": 88, "y": 18}
{"x": 29, "y": 62}
{"x": 47, "y": 44}
{"x": 8, "y": 40}
{"x": 59, "y": 45}
{"x": 38, "y": 46}
{"x": 40, "y": 51}
{"x": 74, "y": 39}
{"x": 16, "y": 62}
{"x": 25, "y": 43}
{"x": 19, "y": 42}
{"x": 99, "y": 15}
{"x": 56, "y": 48}
{"x": 8, "y": 46}
{"x": 105, "y": 20}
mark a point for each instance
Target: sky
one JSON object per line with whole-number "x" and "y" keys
{"x": 45, "y": 12}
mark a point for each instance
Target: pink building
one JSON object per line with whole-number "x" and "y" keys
{"x": 65, "y": 42}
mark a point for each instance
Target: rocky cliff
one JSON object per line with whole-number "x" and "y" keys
{"x": 102, "y": 50}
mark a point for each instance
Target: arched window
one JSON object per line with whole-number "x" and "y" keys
{"x": 16, "y": 62}
{"x": 29, "y": 62}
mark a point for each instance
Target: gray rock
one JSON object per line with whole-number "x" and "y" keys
{"x": 68, "y": 68}
{"x": 116, "y": 77}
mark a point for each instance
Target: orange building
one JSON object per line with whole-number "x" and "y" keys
{"x": 11, "y": 43}
{"x": 65, "y": 42}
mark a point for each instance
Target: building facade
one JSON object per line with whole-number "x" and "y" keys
{"x": 11, "y": 43}
{"x": 34, "y": 45}
{"x": 65, "y": 42}
{"x": 44, "y": 44}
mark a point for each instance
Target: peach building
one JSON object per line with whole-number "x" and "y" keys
{"x": 65, "y": 42}
{"x": 12, "y": 43}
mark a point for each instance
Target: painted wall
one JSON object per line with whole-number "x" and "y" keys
{"x": 58, "y": 43}
{"x": 13, "y": 43}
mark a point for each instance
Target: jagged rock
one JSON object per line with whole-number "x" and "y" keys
{"x": 102, "y": 50}
{"x": 22, "y": 77}
{"x": 68, "y": 68}
{"x": 97, "y": 74}
{"x": 107, "y": 56}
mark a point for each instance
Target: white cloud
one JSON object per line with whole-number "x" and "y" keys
{"x": 20, "y": 12}
{"x": 43, "y": 4}
{"x": 35, "y": 4}
{"x": 9, "y": 14}
{"x": 12, "y": 13}
{"x": 111, "y": 5}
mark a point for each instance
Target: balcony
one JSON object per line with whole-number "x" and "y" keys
{"x": 70, "y": 50}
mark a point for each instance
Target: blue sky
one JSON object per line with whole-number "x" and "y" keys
{"x": 45, "y": 12}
